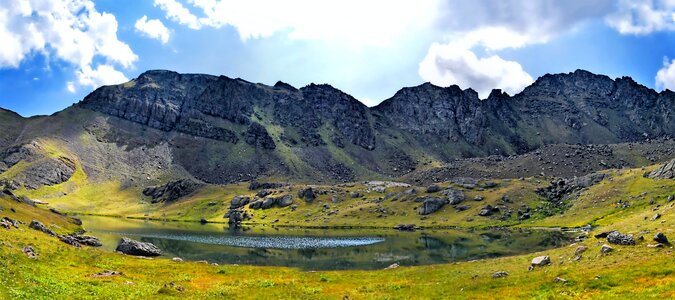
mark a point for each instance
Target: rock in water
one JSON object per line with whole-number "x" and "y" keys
{"x": 541, "y": 261}
{"x": 131, "y": 247}
{"x": 405, "y": 227}
{"x": 618, "y": 238}
{"x": 666, "y": 171}
{"x": 660, "y": 237}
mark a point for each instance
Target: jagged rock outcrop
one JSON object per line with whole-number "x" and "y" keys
{"x": 588, "y": 108}
{"x": 222, "y": 130}
{"x": 40, "y": 169}
{"x": 558, "y": 189}
{"x": 172, "y": 191}
{"x": 257, "y": 136}
{"x": 666, "y": 171}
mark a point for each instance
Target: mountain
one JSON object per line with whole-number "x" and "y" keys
{"x": 164, "y": 125}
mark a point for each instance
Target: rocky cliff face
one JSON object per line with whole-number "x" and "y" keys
{"x": 218, "y": 129}
{"x": 578, "y": 107}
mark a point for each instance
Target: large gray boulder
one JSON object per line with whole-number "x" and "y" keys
{"x": 666, "y": 171}
{"x": 41, "y": 227}
{"x": 239, "y": 201}
{"x": 132, "y": 247}
{"x": 618, "y": 238}
{"x": 172, "y": 190}
{"x": 431, "y": 205}
{"x": 454, "y": 196}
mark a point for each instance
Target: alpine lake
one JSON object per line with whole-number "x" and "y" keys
{"x": 322, "y": 249}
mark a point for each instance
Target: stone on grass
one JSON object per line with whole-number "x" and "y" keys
{"x": 500, "y": 274}
{"x": 132, "y": 247}
{"x": 580, "y": 249}
{"x": 606, "y": 248}
{"x": 541, "y": 261}
{"x": 619, "y": 238}
{"x": 660, "y": 237}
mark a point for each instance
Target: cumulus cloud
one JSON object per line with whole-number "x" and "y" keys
{"x": 492, "y": 26}
{"x": 451, "y": 64}
{"x": 153, "y": 28}
{"x": 665, "y": 77}
{"x": 641, "y": 17}
{"x": 69, "y": 30}
{"x": 175, "y": 11}
{"x": 354, "y": 22}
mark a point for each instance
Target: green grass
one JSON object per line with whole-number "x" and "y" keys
{"x": 63, "y": 272}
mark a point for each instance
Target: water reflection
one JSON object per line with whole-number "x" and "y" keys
{"x": 314, "y": 249}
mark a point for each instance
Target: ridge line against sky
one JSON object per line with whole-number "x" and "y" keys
{"x": 57, "y": 51}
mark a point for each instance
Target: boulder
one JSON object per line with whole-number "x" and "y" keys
{"x": 487, "y": 211}
{"x": 454, "y": 196}
{"x": 661, "y": 238}
{"x": 239, "y": 201}
{"x": 606, "y": 248}
{"x": 580, "y": 249}
{"x": 132, "y": 247}
{"x": 478, "y": 198}
{"x": 405, "y": 227}
{"x": 255, "y": 204}
{"x": 172, "y": 190}
{"x": 307, "y": 194}
{"x": 41, "y": 227}
{"x": 8, "y": 223}
{"x": 618, "y": 238}
{"x": 29, "y": 251}
{"x": 285, "y": 200}
{"x": 431, "y": 205}
{"x": 666, "y": 171}
{"x": 541, "y": 261}
{"x": 433, "y": 188}
{"x": 500, "y": 274}
{"x": 355, "y": 195}
{"x": 268, "y": 203}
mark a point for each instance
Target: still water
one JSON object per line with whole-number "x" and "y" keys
{"x": 320, "y": 249}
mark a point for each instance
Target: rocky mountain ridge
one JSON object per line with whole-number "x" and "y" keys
{"x": 164, "y": 125}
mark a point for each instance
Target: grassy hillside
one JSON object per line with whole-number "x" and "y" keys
{"x": 63, "y": 272}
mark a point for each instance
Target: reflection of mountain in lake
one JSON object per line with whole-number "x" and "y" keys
{"x": 404, "y": 248}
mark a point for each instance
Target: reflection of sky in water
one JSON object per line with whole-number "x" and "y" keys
{"x": 273, "y": 242}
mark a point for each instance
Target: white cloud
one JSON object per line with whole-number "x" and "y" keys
{"x": 175, "y": 11}
{"x": 70, "y": 86}
{"x": 102, "y": 75}
{"x": 69, "y": 30}
{"x": 153, "y": 28}
{"x": 492, "y": 26}
{"x": 643, "y": 16}
{"x": 451, "y": 64}
{"x": 665, "y": 78}
{"x": 351, "y": 22}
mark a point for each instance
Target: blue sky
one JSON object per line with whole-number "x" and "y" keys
{"x": 57, "y": 51}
